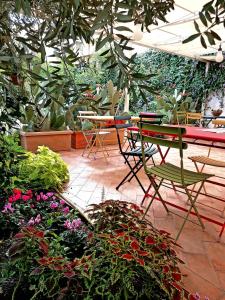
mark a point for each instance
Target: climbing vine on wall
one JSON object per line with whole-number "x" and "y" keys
{"x": 172, "y": 71}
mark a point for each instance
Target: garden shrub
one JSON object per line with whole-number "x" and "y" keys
{"x": 44, "y": 170}
{"x": 10, "y": 156}
{"x": 122, "y": 256}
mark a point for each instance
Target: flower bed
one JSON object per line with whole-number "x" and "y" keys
{"x": 50, "y": 250}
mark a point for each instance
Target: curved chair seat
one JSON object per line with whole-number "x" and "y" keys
{"x": 173, "y": 173}
{"x": 207, "y": 161}
{"x": 149, "y": 151}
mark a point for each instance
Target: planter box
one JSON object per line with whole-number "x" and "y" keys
{"x": 111, "y": 138}
{"x": 78, "y": 141}
{"x": 55, "y": 140}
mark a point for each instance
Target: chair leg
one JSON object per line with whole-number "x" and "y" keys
{"x": 134, "y": 174}
{"x": 138, "y": 169}
{"x": 192, "y": 201}
{"x": 156, "y": 187}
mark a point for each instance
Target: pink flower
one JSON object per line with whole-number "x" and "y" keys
{"x": 49, "y": 194}
{"x": 38, "y": 198}
{"x": 29, "y": 192}
{"x": 66, "y": 210}
{"x": 54, "y": 205}
{"x": 37, "y": 220}
{"x": 75, "y": 224}
{"x": 62, "y": 202}
{"x": 8, "y": 208}
{"x": 31, "y": 222}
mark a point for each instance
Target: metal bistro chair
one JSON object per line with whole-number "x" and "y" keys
{"x": 151, "y": 118}
{"x": 181, "y": 117}
{"x": 132, "y": 152}
{"x": 93, "y": 134}
{"x": 193, "y": 116}
{"x": 179, "y": 176}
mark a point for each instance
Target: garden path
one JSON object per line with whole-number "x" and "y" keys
{"x": 92, "y": 181}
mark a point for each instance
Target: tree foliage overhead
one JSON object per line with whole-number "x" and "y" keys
{"x": 211, "y": 16}
{"x": 31, "y": 27}
{"x": 28, "y": 28}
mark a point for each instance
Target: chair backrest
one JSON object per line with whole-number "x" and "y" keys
{"x": 193, "y": 116}
{"x": 151, "y": 118}
{"x": 181, "y": 115}
{"x": 86, "y": 125}
{"x": 155, "y": 134}
{"x": 87, "y": 113}
{"x": 125, "y": 122}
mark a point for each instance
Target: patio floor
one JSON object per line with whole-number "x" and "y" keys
{"x": 93, "y": 181}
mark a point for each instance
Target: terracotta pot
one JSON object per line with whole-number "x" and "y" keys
{"x": 55, "y": 140}
{"x": 111, "y": 138}
{"x": 217, "y": 112}
{"x": 77, "y": 140}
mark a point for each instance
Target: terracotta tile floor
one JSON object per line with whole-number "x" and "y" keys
{"x": 92, "y": 181}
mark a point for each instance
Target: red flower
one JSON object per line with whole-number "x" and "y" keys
{"x": 176, "y": 276}
{"x": 140, "y": 261}
{"x": 143, "y": 253}
{"x": 17, "y": 191}
{"x": 11, "y": 199}
{"x": 134, "y": 245}
{"x": 43, "y": 246}
{"x": 29, "y": 192}
{"x": 149, "y": 240}
{"x": 127, "y": 256}
{"x": 26, "y": 197}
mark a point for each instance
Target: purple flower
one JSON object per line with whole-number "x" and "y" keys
{"x": 8, "y": 208}
{"x": 54, "y": 205}
{"x": 66, "y": 210}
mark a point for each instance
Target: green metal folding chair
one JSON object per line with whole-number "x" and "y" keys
{"x": 180, "y": 177}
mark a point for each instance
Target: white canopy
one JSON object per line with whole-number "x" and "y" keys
{"x": 168, "y": 37}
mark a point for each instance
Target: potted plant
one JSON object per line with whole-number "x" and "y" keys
{"x": 105, "y": 102}
{"x": 47, "y": 117}
{"x": 110, "y": 101}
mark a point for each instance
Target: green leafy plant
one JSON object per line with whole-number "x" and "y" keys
{"x": 132, "y": 258}
{"x": 44, "y": 170}
{"x": 170, "y": 105}
{"x": 11, "y": 155}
